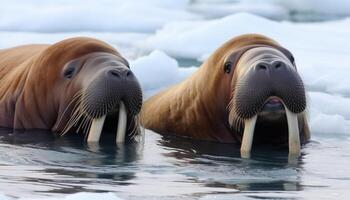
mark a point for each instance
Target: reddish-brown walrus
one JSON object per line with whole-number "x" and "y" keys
{"x": 249, "y": 87}
{"x": 70, "y": 86}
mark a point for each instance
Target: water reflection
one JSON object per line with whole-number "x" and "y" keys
{"x": 220, "y": 165}
{"x": 38, "y": 164}
{"x": 187, "y": 148}
{"x": 64, "y": 164}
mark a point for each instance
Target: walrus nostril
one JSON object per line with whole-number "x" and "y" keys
{"x": 261, "y": 66}
{"x": 119, "y": 73}
{"x": 114, "y": 73}
{"x": 278, "y": 65}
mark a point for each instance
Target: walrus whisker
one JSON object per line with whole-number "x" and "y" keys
{"x": 84, "y": 120}
{"x": 76, "y": 111}
{"x": 73, "y": 119}
{"x": 81, "y": 124}
{"x": 75, "y": 98}
{"x": 86, "y": 124}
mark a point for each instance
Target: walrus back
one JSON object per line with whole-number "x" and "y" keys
{"x": 12, "y": 58}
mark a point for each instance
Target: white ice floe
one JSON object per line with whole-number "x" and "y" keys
{"x": 275, "y": 9}
{"x": 158, "y": 70}
{"x": 81, "y": 15}
{"x": 123, "y": 42}
{"x": 329, "y": 114}
{"x": 195, "y": 39}
{"x": 147, "y": 16}
{"x": 215, "y": 9}
{"x": 77, "y": 196}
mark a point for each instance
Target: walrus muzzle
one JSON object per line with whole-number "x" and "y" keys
{"x": 267, "y": 89}
{"x": 114, "y": 93}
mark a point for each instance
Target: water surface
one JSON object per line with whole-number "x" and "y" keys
{"x": 36, "y": 164}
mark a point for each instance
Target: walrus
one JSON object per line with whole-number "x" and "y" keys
{"x": 76, "y": 85}
{"x": 247, "y": 92}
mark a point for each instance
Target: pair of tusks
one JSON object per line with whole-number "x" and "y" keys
{"x": 293, "y": 135}
{"x": 97, "y": 125}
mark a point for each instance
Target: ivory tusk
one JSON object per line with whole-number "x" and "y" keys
{"x": 96, "y": 129}
{"x": 248, "y": 135}
{"x": 293, "y": 134}
{"x": 122, "y": 122}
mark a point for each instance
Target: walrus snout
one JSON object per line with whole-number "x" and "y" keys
{"x": 113, "y": 95}
{"x": 267, "y": 100}
{"x": 110, "y": 87}
{"x": 266, "y": 80}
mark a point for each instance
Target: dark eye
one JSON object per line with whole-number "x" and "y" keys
{"x": 292, "y": 59}
{"x": 69, "y": 72}
{"x": 227, "y": 67}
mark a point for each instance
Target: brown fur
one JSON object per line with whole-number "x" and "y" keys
{"x": 30, "y": 83}
{"x": 198, "y": 107}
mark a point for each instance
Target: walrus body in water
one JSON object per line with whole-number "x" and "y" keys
{"x": 75, "y": 85}
{"x": 248, "y": 91}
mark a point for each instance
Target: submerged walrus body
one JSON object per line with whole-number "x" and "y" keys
{"x": 75, "y": 85}
{"x": 248, "y": 88}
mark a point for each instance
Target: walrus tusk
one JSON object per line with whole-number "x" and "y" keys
{"x": 96, "y": 129}
{"x": 122, "y": 120}
{"x": 293, "y": 134}
{"x": 97, "y": 125}
{"x": 248, "y": 135}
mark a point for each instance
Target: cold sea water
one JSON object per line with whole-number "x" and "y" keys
{"x": 39, "y": 165}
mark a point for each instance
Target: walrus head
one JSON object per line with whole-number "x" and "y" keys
{"x": 108, "y": 96}
{"x": 267, "y": 95}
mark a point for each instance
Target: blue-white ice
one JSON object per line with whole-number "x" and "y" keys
{"x": 77, "y": 196}
{"x": 151, "y": 34}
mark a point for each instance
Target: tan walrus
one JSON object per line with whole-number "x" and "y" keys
{"x": 248, "y": 88}
{"x": 71, "y": 86}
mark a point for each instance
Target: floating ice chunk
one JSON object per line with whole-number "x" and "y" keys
{"x": 330, "y": 104}
{"x": 329, "y": 114}
{"x": 310, "y": 10}
{"x": 265, "y": 9}
{"x": 77, "y": 196}
{"x": 80, "y": 15}
{"x": 157, "y": 70}
{"x": 329, "y": 125}
{"x": 193, "y": 39}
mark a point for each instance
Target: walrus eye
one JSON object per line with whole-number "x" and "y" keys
{"x": 292, "y": 59}
{"x": 68, "y": 73}
{"x": 227, "y": 67}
